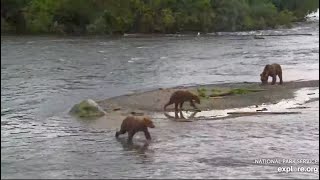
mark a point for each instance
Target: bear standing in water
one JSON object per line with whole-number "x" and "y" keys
{"x": 133, "y": 125}
{"x": 179, "y": 97}
{"x": 272, "y": 70}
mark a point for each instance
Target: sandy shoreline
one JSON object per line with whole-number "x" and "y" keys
{"x": 154, "y": 100}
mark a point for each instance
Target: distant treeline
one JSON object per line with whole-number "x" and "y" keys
{"x": 149, "y": 16}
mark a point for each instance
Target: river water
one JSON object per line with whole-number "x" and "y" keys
{"x": 43, "y": 77}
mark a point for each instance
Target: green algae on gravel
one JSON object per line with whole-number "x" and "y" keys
{"x": 203, "y": 92}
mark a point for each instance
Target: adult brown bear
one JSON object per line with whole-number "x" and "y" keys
{"x": 272, "y": 70}
{"x": 133, "y": 124}
{"x": 179, "y": 97}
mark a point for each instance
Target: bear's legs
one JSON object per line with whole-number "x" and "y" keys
{"x": 181, "y": 115}
{"x": 176, "y": 116}
{"x": 176, "y": 107}
{"x": 274, "y": 78}
{"x": 280, "y": 77}
{"x": 147, "y": 134}
{"x": 193, "y": 105}
{"x": 130, "y": 135}
{"x": 181, "y": 104}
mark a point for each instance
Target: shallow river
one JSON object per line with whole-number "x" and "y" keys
{"x": 42, "y": 77}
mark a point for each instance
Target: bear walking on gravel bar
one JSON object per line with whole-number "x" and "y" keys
{"x": 179, "y": 97}
{"x": 272, "y": 70}
{"x": 134, "y": 124}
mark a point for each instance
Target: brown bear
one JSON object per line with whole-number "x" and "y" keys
{"x": 134, "y": 124}
{"x": 272, "y": 70}
{"x": 179, "y": 97}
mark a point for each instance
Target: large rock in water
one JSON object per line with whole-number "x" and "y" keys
{"x": 87, "y": 108}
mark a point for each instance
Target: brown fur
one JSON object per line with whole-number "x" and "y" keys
{"x": 132, "y": 125}
{"x": 179, "y": 97}
{"x": 272, "y": 70}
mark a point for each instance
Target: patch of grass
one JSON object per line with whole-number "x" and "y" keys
{"x": 215, "y": 90}
{"x": 235, "y": 91}
{"x": 202, "y": 92}
{"x": 219, "y": 92}
{"x": 239, "y": 91}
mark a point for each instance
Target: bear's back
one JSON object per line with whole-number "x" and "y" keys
{"x": 132, "y": 123}
{"x": 182, "y": 95}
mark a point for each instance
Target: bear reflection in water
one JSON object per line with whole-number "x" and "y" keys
{"x": 140, "y": 148}
{"x": 179, "y": 115}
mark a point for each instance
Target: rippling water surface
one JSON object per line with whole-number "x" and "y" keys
{"x": 42, "y": 77}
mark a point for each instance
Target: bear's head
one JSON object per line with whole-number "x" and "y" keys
{"x": 196, "y": 99}
{"x": 264, "y": 78}
{"x": 147, "y": 121}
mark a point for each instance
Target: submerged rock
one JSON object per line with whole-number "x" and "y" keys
{"x": 301, "y": 107}
{"x": 87, "y": 108}
{"x": 263, "y": 109}
{"x": 258, "y": 37}
{"x": 137, "y": 113}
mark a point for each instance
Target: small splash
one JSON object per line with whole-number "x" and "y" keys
{"x": 136, "y": 58}
{"x": 104, "y": 43}
{"x": 101, "y": 51}
{"x": 313, "y": 16}
{"x": 133, "y": 59}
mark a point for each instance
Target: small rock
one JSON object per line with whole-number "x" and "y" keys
{"x": 301, "y": 107}
{"x": 311, "y": 93}
{"x": 263, "y": 109}
{"x": 137, "y": 113}
{"x": 116, "y": 109}
{"x": 258, "y": 37}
